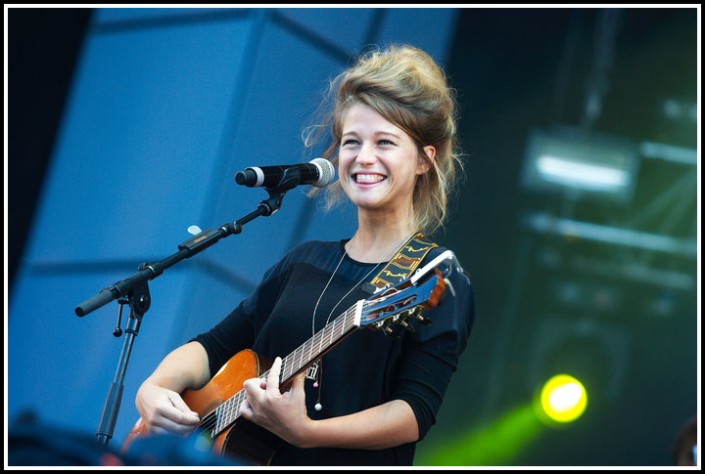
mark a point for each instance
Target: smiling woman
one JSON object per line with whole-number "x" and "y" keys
{"x": 378, "y": 168}
{"x": 394, "y": 133}
{"x": 406, "y": 87}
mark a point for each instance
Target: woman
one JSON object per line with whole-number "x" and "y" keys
{"x": 374, "y": 396}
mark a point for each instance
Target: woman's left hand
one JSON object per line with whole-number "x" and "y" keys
{"x": 284, "y": 414}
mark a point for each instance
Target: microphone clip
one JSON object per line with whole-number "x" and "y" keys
{"x": 272, "y": 204}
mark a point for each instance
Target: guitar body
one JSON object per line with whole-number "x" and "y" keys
{"x": 243, "y": 438}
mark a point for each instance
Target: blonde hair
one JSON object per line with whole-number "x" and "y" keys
{"x": 406, "y": 87}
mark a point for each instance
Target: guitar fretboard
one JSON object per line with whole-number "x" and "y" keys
{"x": 300, "y": 359}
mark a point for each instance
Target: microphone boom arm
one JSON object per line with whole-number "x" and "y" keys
{"x": 136, "y": 288}
{"x": 187, "y": 249}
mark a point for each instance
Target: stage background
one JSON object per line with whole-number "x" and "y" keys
{"x": 126, "y": 126}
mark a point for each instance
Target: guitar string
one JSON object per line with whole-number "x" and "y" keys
{"x": 231, "y": 405}
{"x": 210, "y": 424}
{"x": 319, "y": 372}
{"x": 236, "y": 400}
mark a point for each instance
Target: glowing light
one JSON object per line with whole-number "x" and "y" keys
{"x": 563, "y": 399}
{"x": 586, "y": 175}
{"x": 567, "y": 161}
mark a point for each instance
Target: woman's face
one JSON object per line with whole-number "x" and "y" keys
{"x": 378, "y": 162}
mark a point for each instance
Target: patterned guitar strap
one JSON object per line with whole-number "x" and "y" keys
{"x": 403, "y": 264}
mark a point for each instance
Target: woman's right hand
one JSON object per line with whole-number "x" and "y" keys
{"x": 164, "y": 411}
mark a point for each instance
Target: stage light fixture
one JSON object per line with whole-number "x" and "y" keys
{"x": 580, "y": 165}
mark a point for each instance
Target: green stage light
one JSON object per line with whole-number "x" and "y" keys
{"x": 494, "y": 443}
{"x": 562, "y": 399}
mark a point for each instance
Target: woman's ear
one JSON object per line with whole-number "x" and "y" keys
{"x": 425, "y": 163}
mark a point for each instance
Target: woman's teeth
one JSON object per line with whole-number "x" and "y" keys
{"x": 368, "y": 178}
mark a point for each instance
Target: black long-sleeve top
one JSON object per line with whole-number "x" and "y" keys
{"x": 368, "y": 367}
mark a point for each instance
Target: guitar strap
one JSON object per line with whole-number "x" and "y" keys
{"x": 403, "y": 264}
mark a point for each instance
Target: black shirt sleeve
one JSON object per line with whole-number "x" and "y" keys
{"x": 432, "y": 352}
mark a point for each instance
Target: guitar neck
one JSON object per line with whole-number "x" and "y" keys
{"x": 296, "y": 362}
{"x": 321, "y": 342}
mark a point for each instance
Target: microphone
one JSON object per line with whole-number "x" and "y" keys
{"x": 318, "y": 172}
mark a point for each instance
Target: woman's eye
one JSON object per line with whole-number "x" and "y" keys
{"x": 349, "y": 141}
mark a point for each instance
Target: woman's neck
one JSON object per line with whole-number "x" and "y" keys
{"x": 377, "y": 244}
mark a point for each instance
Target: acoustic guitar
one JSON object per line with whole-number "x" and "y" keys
{"x": 218, "y": 402}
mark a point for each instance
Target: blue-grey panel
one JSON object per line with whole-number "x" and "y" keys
{"x": 431, "y": 29}
{"x": 141, "y": 133}
{"x": 286, "y": 84}
{"x": 207, "y": 299}
{"x": 334, "y": 24}
{"x": 110, "y": 15}
{"x": 61, "y": 366}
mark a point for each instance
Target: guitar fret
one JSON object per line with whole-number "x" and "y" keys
{"x": 231, "y": 410}
{"x": 345, "y": 319}
{"x": 227, "y": 412}
{"x": 342, "y": 325}
{"x": 320, "y": 342}
{"x": 286, "y": 363}
{"x": 303, "y": 356}
{"x": 235, "y": 407}
{"x": 283, "y": 373}
{"x": 330, "y": 333}
{"x": 305, "y": 351}
{"x": 300, "y": 354}
{"x": 218, "y": 416}
{"x": 325, "y": 333}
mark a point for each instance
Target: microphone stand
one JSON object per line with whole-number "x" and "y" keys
{"x": 136, "y": 289}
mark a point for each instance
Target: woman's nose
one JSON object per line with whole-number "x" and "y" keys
{"x": 366, "y": 155}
